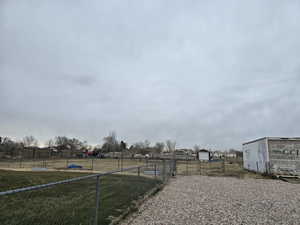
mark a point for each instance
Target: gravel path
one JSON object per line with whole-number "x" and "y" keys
{"x": 222, "y": 200}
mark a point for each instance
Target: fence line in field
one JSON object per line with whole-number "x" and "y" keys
{"x": 35, "y": 187}
{"x": 163, "y": 170}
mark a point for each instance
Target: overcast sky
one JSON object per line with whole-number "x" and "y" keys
{"x": 213, "y": 73}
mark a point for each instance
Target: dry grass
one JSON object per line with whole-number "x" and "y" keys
{"x": 231, "y": 169}
{"x": 99, "y": 165}
{"x": 216, "y": 168}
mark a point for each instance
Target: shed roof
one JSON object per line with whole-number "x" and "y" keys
{"x": 274, "y": 139}
{"x": 203, "y": 150}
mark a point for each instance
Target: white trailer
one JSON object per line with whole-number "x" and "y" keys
{"x": 273, "y": 155}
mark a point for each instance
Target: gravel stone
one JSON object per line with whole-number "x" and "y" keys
{"x": 221, "y": 200}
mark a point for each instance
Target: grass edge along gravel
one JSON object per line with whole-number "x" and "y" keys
{"x": 129, "y": 212}
{"x": 118, "y": 193}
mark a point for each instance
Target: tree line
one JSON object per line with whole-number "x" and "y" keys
{"x": 110, "y": 144}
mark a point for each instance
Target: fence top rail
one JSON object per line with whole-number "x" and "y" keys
{"x": 35, "y": 187}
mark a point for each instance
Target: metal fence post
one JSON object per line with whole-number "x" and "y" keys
{"x": 97, "y": 200}
{"x": 224, "y": 166}
{"x": 186, "y": 168}
{"x": 164, "y": 170}
{"x": 92, "y": 164}
{"x": 173, "y": 167}
{"x": 170, "y": 168}
{"x": 155, "y": 170}
{"x": 199, "y": 167}
{"x": 122, "y": 160}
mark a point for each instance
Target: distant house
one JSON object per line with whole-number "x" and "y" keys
{"x": 218, "y": 154}
{"x": 138, "y": 156}
{"x": 204, "y": 155}
{"x": 180, "y": 154}
{"x": 115, "y": 155}
{"x": 231, "y": 155}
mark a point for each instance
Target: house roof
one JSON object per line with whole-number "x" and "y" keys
{"x": 203, "y": 150}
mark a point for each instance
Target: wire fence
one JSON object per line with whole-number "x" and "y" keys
{"x": 95, "y": 164}
{"x": 91, "y": 199}
{"x": 208, "y": 168}
{"x": 98, "y": 198}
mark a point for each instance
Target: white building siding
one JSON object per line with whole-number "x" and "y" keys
{"x": 284, "y": 156}
{"x": 256, "y": 156}
{"x": 203, "y": 156}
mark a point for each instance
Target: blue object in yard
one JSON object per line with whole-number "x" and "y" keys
{"x": 151, "y": 172}
{"x": 74, "y": 166}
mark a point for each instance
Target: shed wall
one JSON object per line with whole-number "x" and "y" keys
{"x": 284, "y": 156}
{"x": 256, "y": 156}
{"x": 204, "y": 156}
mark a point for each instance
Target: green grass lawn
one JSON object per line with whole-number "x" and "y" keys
{"x": 67, "y": 204}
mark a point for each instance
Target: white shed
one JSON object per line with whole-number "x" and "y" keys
{"x": 204, "y": 155}
{"x": 273, "y": 155}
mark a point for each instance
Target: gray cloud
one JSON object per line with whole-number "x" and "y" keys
{"x": 215, "y": 73}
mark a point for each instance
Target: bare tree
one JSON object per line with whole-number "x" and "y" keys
{"x": 61, "y": 141}
{"x": 147, "y": 144}
{"x": 111, "y": 143}
{"x": 4, "y": 140}
{"x": 72, "y": 144}
{"x": 137, "y": 148}
{"x": 196, "y": 148}
{"x": 111, "y": 138}
{"x": 10, "y": 147}
{"x": 142, "y": 147}
{"x": 159, "y": 147}
{"x": 50, "y": 143}
{"x": 170, "y": 145}
{"x": 30, "y": 141}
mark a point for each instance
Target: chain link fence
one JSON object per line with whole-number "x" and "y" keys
{"x": 95, "y": 164}
{"x": 209, "y": 168}
{"x": 90, "y": 199}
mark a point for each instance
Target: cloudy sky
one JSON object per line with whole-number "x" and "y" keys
{"x": 213, "y": 73}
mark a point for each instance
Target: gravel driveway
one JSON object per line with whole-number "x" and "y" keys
{"x": 222, "y": 200}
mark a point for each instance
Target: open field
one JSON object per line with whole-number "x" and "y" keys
{"x": 74, "y": 203}
{"x": 190, "y": 167}
{"x": 197, "y": 200}
{"x": 99, "y": 165}
{"x": 67, "y": 204}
